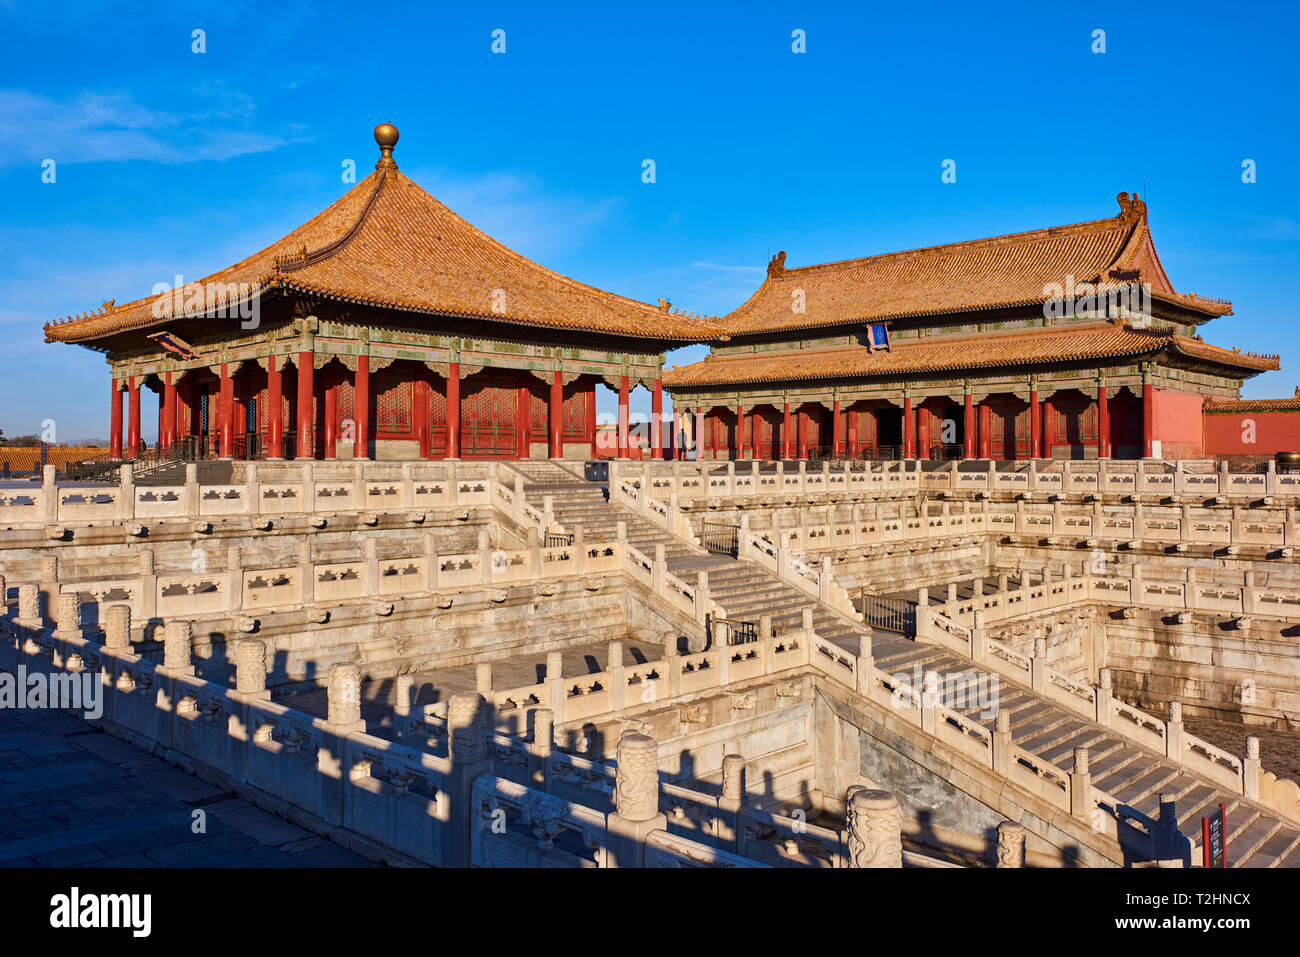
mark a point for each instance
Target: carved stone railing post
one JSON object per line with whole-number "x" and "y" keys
{"x": 178, "y": 641}
{"x": 978, "y": 636}
{"x": 467, "y": 727}
{"x": 1038, "y": 665}
{"x": 192, "y": 500}
{"x": 555, "y": 682}
{"x": 370, "y": 555}
{"x": 636, "y": 801}
{"x": 1081, "y": 785}
{"x": 250, "y": 669}
{"x": 50, "y": 586}
{"x": 67, "y": 622}
{"x": 539, "y": 749}
{"x": 672, "y": 673}
{"x": 929, "y": 700}
{"x": 617, "y": 674}
{"x": 50, "y": 494}
{"x": 1174, "y": 733}
{"x": 1250, "y": 769}
{"x": 485, "y": 556}
{"x": 1011, "y": 844}
{"x": 403, "y": 693}
{"x": 234, "y": 578}
{"x": 344, "y": 699}
{"x": 29, "y": 607}
{"x": 866, "y": 662}
{"x": 733, "y": 797}
{"x": 1002, "y": 742}
{"x": 875, "y": 823}
{"x": 117, "y": 627}
{"x": 1105, "y": 696}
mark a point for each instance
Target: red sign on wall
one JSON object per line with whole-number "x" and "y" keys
{"x": 1214, "y": 840}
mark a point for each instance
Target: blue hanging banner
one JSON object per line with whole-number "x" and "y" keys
{"x": 878, "y": 336}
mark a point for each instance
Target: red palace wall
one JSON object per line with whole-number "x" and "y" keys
{"x": 1178, "y": 424}
{"x": 1274, "y": 431}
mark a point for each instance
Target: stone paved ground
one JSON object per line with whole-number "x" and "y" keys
{"x": 1279, "y": 751}
{"x": 72, "y": 795}
{"x": 378, "y": 697}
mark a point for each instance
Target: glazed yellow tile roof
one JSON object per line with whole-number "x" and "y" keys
{"x": 388, "y": 243}
{"x": 1225, "y": 406}
{"x": 1086, "y": 342}
{"x": 995, "y": 273}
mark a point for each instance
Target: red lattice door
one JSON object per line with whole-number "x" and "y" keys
{"x": 489, "y": 411}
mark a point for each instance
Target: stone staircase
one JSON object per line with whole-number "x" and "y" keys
{"x": 1133, "y": 775}
{"x": 743, "y": 590}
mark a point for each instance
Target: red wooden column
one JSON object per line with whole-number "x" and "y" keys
{"x": 803, "y": 433}
{"x": 453, "y": 410}
{"x": 657, "y": 420}
{"x": 622, "y": 418}
{"x": 986, "y": 430}
{"x": 852, "y": 443}
{"x": 226, "y": 413}
{"x": 968, "y": 427}
{"x": 557, "y": 414}
{"x": 306, "y": 406}
{"x": 274, "y": 409}
{"x": 133, "y": 418}
{"x": 361, "y": 410}
{"x": 837, "y": 449}
{"x": 1103, "y": 423}
{"x": 115, "y": 421}
{"x": 923, "y": 416}
{"x": 740, "y": 430}
{"x": 1035, "y": 422}
{"x": 1148, "y": 416}
{"x": 1049, "y": 426}
{"x": 331, "y": 413}
{"x": 699, "y": 434}
{"x": 167, "y": 434}
{"x": 785, "y": 433}
{"x": 909, "y": 429}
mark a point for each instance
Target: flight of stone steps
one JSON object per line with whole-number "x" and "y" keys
{"x": 1131, "y": 774}
{"x": 743, "y": 590}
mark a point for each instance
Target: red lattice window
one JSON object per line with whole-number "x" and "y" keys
{"x": 346, "y": 395}
{"x": 539, "y": 422}
{"x": 573, "y": 417}
{"x": 392, "y": 402}
{"x": 1076, "y": 420}
{"x": 438, "y": 406}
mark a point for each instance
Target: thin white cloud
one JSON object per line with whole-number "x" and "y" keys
{"x": 517, "y": 210}
{"x": 113, "y": 127}
{"x": 730, "y": 270}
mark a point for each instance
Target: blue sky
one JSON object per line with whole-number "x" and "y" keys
{"x": 170, "y": 161}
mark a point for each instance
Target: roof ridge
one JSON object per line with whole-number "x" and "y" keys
{"x": 561, "y": 277}
{"x": 1004, "y": 239}
{"x": 289, "y": 262}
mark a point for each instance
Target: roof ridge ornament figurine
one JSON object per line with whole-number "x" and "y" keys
{"x": 1131, "y": 210}
{"x": 776, "y": 268}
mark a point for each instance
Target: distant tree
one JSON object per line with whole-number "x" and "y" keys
{"x": 20, "y": 440}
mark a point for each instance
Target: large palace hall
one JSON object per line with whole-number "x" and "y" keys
{"x": 387, "y": 327}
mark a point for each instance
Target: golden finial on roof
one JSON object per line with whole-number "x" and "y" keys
{"x": 386, "y": 136}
